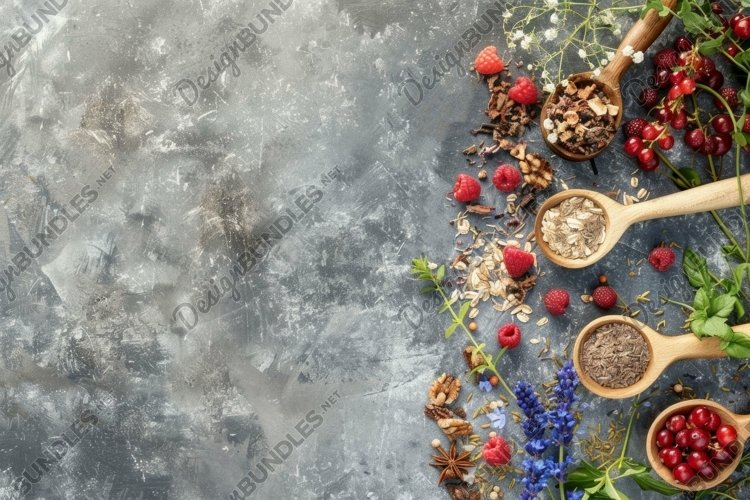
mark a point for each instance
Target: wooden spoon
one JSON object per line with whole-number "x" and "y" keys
{"x": 723, "y": 471}
{"x": 618, "y": 217}
{"x": 664, "y": 351}
{"x": 640, "y": 37}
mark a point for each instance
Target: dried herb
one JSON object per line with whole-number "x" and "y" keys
{"x": 615, "y": 355}
{"x": 575, "y": 228}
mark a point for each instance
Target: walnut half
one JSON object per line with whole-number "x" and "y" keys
{"x": 444, "y": 390}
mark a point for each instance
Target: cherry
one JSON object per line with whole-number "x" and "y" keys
{"x": 682, "y": 44}
{"x": 699, "y": 417}
{"x": 676, "y": 423}
{"x": 646, "y": 155}
{"x": 666, "y": 142}
{"x": 685, "y": 57}
{"x": 697, "y": 459}
{"x": 708, "y": 472}
{"x": 664, "y": 115}
{"x": 664, "y": 438}
{"x": 633, "y": 146}
{"x": 707, "y": 65}
{"x": 735, "y": 19}
{"x": 695, "y": 138}
{"x": 649, "y": 132}
{"x": 722, "y": 124}
{"x": 674, "y": 93}
{"x": 715, "y": 79}
{"x": 726, "y": 435}
{"x": 709, "y": 146}
{"x": 732, "y": 50}
{"x": 698, "y": 439}
{"x": 677, "y": 76}
{"x": 683, "y": 473}
{"x": 679, "y": 120}
{"x": 687, "y": 86}
{"x": 650, "y": 165}
{"x": 742, "y": 28}
{"x": 721, "y": 456}
{"x": 670, "y": 457}
{"x": 682, "y": 438}
{"x": 661, "y": 78}
{"x": 716, "y": 8}
{"x": 722, "y": 145}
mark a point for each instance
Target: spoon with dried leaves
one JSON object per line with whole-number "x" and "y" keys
{"x": 618, "y": 357}
{"x": 589, "y": 139}
{"x": 577, "y": 227}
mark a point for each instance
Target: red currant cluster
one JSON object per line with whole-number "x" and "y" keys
{"x": 699, "y": 443}
{"x": 679, "y": 69}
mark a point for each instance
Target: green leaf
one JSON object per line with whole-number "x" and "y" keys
{"x": 584, "y": 476}
{"x": 710, "y": 47}
{"x": 611, "y": 491}
{"x": 698, "y": 325}
{"x": 652, "y": 5}
{"x": 737, "y": 345}
{"x": 745, "y": 96}
{"x": 739, "y": 138}
{"x": 427, "y": 289}
{"x": 480, "y": 369}
{"x": 464, "y": 309}
{"x": 440, "y": 273}
{"x": 446, "y": 306}
{"x": 702, "y": 301}
{"x": 451, "y": 329}
{"x": 687, "y": 178}
{"x": 722, "y": 305}
{"x": 717, "y": 327}
{"x": 647, "y": 482}
{"x": 695, "y": 268}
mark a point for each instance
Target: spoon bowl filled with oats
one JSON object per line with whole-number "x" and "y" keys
{"x": 577, "y": 227}
{"x": 618, "y": 357}
{"x": 579, "y": 119}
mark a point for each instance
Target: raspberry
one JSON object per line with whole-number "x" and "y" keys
{"x": 648, "y": 98}
{"x": 604, "y": 296}
{"x": 506, "y": 178}
{"x": 488, "y": 62}
{"x": 666, "y": 58}
{"x": 556, "y": 300}
{"x": 634, "y": 127}
{"x": 523, "y": 91}
{"x": 517, "y": 262}
{"x": 509, "y": 335}
{"x": 730, "y": 95}
{"x": 466, "y": 188}
{"x": 496, "y": 451}
{"x": 661, "y": 258}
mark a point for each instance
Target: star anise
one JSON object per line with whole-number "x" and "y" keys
{"x": 452, "y": 465}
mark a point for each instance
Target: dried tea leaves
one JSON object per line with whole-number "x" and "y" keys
{"x": 575, "y": 228}
{"x": 615, "y": 355}
{"x": 582, "y": 117}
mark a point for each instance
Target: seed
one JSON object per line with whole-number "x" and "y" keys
{"x": 677, "y": 388}
{"x": 542, "y": 321}
{"x": 472, "y": 326}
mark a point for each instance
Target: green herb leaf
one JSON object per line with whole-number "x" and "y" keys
{"x": 710, "y": 47}
{"x": 702, "y": 301}
{"x": 584, "y": 476}
{"x": 717, "y": 327}
{"x": 446, "y": 306}
{"x": 722, "y": 305}
{"x": 427, "y": 289}
{"x": 696, "y": 269}
{"x": 451, "y": 329}
{"x": 737, "y": 345}
{"x": 440, "y": 273}
{"x": 647, "y": 482}
{"x": 464, "y": 309}
{"x": 686, "y": 178}
{"x": 739, "y": 138}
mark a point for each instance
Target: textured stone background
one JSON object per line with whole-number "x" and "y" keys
{"x": 186, "y": 413}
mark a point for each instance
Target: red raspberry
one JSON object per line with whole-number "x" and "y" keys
{"x": 517, "y": 262}
{"x": 661, "y": 258}
{"x": 730, "y": 95}
{"x": 506, "y": 178}
{"x": 509, "y": 335}
{"x": 496, "y": 451}
{"x": 556, "y": 300}
{"x": 523, "y": 91}
{"x": 666, "y": 58}
{"x": 488, "y": 62}
{"x": 466, "y": 188}
{"x": 634, "y": 127}
{"x": 648, "y": 98}
{"x": 604, "y": 296}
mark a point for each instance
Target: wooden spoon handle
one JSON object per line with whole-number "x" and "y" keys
{"x": 713, "y": 196}
{"x": 688, "y": 346}
{"x": 640, "y": 37}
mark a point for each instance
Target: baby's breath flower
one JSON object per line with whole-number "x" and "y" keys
{"x": 550, "y": 34}
{"x": 638, "y": 57}
{"x": 554, "y": 19}
{"x": 518, "y": 35}
{"x": 507, "y": 14}
{"x": 550, "y": 3}
{"x": 552, "y": 137}
{"x": 617, "y": 31}
{"x": 526, "y": 43}
{"x": 545, "y": 74}
{"x": 596, "y": 72}
{"x": 564, "y": 83}
{"x": 628, "y": 50}
{"x": 529, "y": 67}
{"x": 582, "y": 53}
{"x": 549, "y": 124}
{"x": 603, "y": 62}
{"x": 610, "y": 55}
{"x": 549, "y": 87}
{"x": 511, "y": 45}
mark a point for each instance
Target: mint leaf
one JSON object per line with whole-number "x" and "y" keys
{"x": 695, "y": 268}
{"x": 701, "y": 302}
{"x": 737, "y": 345}
{"x": 717, "y": 327}
{"x": 711, "y": 47}
{"x": 722, "y": 305}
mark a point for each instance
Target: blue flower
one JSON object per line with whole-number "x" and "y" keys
{"x": 528, "y": 400}
{"x": 497, "y": 418}
{"x": 485, "y": 385}
{"x": 565, "y": 389}
{"x": 563, "y": 425}
{"x": 574, "y": 495}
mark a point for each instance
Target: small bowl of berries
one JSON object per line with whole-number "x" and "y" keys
{"x": 695, "y": 445}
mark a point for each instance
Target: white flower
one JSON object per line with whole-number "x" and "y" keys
{"x": 526, "y": 43}
{"x": 554, "y": 19}
{"x": 610, "y": 55}
{"x": 518, "y": 35}
{"x": 548, "y": 124}
{"x": 617, "y": 31}
{"x": 529, "y": 67}
{"x": 628, "y": 50}
{"x": 550, "y": 3}
{"x": 603, "y": 62}
{"x": 507, "y": 14}
{"x": 511, "y": 45}
{"x": 638, "y": 57}
{"x": 545, "y": 74}
{"x": 596, "y": 72}
{"x": 550, "y": 34}
{"x": 564, "y": 83}
{"x": 582, "y": 53}
{"x": 552, "y": 137}
{"x": 549, "y": 87}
